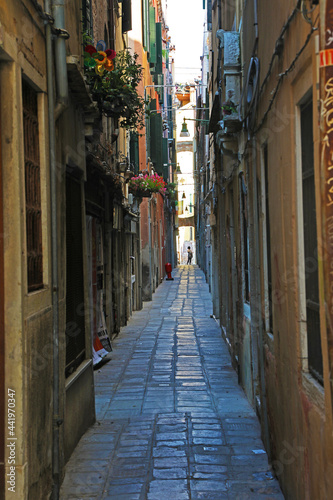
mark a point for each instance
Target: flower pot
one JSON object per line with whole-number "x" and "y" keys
{"x": 141, "y": 193}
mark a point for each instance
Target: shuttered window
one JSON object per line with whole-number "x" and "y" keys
{"x": 159, "y": 56}
{"x": 145, "y": 24}
{"x": 209, "y": 14}
{"x": 127, "y": 16}
{"x": 134, "y": 152}
{"x": 152, "y": 36}
{"x": 32, "y": 189}
{"x": 156, "y": 132}
{"x": 165, "y": 158}
{"x": 75, "y": 312}
{"x": 315, "y": 361}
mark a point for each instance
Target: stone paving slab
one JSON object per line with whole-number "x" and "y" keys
{"x": 172, "y": 421}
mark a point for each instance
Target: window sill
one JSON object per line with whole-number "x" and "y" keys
{"x": 77, "y": 374}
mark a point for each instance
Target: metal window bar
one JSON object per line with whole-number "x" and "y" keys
{"x": 32, "y": 189}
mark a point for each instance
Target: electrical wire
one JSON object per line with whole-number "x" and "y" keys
{"x": 278, "y": 41}
{"x": 284, "y": 74}
{"x": 305, "y": 12}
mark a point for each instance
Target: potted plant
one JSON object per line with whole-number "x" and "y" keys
{"x": 144, "y": 185}
{"x": 229, "y": 107}
{"x": 171, "y": 190}
{"x": 113, "y": 79}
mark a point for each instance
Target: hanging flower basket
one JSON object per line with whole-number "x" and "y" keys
{"x": 141, "y": 193}
{"x": 143, "y": 186}
{"x": 113, "y": 79}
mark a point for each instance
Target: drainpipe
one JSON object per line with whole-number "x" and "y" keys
{"x": 54, "y": 253}
{"x": 58, "y": 9}
{"x": 150, "y": 251}
{"x": 61, "y": 104}
{"x": 256, "y": 20}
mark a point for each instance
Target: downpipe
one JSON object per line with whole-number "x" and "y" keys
{"x": 58, "y": 9}
{"x": 150, "y": 251}
{"x": 54, "y": 111}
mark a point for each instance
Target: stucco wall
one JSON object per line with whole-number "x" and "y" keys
{"x": 27, "y": 316}
{"x": 299, "y": 408}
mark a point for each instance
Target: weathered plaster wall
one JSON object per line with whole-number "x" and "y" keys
{"x": 299, "y": 409}
{"x": 28, "y": 360}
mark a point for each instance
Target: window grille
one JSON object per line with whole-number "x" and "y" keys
{"x": 32, "y": 188}
{"x": 87, "y": 18}
{"x": 315, "y": 361}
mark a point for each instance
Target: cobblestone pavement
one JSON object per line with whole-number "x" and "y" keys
{"x": 172, "y": 421}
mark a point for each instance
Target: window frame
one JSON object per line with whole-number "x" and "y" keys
{"x": 35, "y": 287}
{"x": 268, "y": 304}
{"x": 302, "y": 297}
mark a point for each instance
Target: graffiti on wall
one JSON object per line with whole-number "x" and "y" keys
{"x": 326, "y": 89}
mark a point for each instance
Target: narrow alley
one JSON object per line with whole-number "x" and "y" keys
{"x": 171, "y": 420}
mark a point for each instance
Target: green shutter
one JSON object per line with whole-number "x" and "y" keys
{"x": 152, "y": 36}
{"x": 158, "y": 67}
{"x": 126, "y": 16}
{"x": 134, "y": 151}
{"x": 156, "y": 133}
{"x": 165, "y": 158}
{"x": 159, "y": 80}
{"x": 145, "y": 23}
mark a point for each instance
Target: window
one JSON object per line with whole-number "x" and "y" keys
{"x": 145, "y": 24}
{"x": 127, "y": 16}
{"x": 75, "y": 312}
{"x": 32, "y": 189}
{"x": 111, "y": 25}
{"x": 156, "y": 135}
{"x": 152, "y": 36}
{"x": 244, "y": 236}
{"x": 267, "y": 250}
{"x": 315, "y": 363}
{"x": 87, "y": 18}
{"x": 134, "y": 151}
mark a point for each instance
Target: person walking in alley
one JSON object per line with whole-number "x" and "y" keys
{"x": 189, "y": 255}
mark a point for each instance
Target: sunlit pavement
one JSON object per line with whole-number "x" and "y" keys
{"x": 172, "y": 421}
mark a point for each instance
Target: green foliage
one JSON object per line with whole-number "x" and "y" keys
{"x": 229, "y": 108}
{"x": 171, "y": 190}
{"x": 116, "y": 91}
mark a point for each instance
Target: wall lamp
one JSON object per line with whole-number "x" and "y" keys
{"x": 184, "y": 132}
{"x": 192, "y": 207}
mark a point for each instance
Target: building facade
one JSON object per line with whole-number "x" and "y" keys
{"x": 72, "y": 254}
{"x": 269, "y": 201}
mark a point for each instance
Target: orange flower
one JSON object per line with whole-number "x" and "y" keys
{"x": 109, "y": 66}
